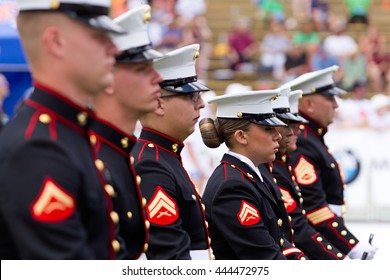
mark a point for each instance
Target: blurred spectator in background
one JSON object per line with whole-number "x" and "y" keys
{"x": 189, "y": 9}
{"x": 354, "y": 69}
{"x": 172, "y": 36}
{"x": 241, "y": 44}
{"x": 354, "y": 111}
{"x": 307, "y": 37}
{"x": 4, "y": 91}
{"x": 197, "y": 31}
{"x": 320, "y": 11}
{"x": 380, "y": 116}
{"x": 301, "y": 9}
{"x": 338, "y": 43}
{"x": 297, "y": 63}
{"x": 273, "y": 49}
{"x": 321, "y": 59}
{"x": 271, "y": 10}
{"x": 358, "y": 10}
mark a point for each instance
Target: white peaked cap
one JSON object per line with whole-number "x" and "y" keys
{"x": 179, "y": 63}
{"x": 282, "y": 100}
{"x": 294, "y": 98}
{"x": 94, "y": 13}
{"x": 178, "y": 71}
{"x": 135, "y": 22}
{"x": 295, "y": 95}
{"x": 320, "y": 81}
{"x": 281, "y": 105}
{"x": 241, "y": 103}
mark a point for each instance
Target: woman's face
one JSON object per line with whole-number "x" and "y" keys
{"x": 262, "y": 143}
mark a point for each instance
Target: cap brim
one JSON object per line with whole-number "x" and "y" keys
{"x": 335, "y": 91}
{"x": 301, "y": 119}
{"x": 269, "y": 122}
{"x": 289, "y": 117}
{"x": 147, "y": 55}
{"x": 189, "y": 87}
{"x": 101, "y": 22}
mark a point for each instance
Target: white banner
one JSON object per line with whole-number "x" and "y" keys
{"x": 364, "y": 156}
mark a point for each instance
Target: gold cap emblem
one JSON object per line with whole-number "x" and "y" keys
{"x": 197, "y": 54}
{"x": 175, "y": 148}
{"x": 147, "y": 15}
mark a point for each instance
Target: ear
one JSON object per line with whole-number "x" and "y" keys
{"x": 306, "y": 104}
{"x": 53, "y": 41}
{"x": 160, "y": 111}
{"x": 241, "y": 137}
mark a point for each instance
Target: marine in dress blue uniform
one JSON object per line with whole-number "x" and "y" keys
{"x": 53, "y": 204}
{"x": 114, "y": 145}
{"x": 317, "y": 172}
{"x": 245, "y": 216}
{"x": 305, "y": 236}
{"x": 178, "y": 228}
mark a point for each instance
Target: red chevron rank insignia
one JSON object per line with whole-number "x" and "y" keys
{"x": 54, "y": 204}
{"x": 162, "y": 209}
{"x": 305, "y": 172}
{"x": 248, "y": 214}
{"x": 289, "y": 202}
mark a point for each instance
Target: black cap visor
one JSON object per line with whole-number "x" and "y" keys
{"x": 301, "y": 119}
{"x": 135, "y": 55}
{"x": 183, "y": 85}
{"x": 269, "y": 119}
{"x": 329, "y": 90}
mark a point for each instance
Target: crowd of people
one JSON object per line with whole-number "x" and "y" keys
{"x": 92, "y": 189}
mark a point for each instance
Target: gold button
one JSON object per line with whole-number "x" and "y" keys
{"x": 339, "y": 255}
{"x": 282, "y": 197}
{"x": 147, "y": 225}
{"x": 209, "y": 241}
{"x": 114, "y": 217}
{"x": 146, "y": 247}
{"x": 304, "y": 212}
{"x": 249, "y": 175}
{"x": 344, "y": 233}
{"x": 284, "y": 158}
{"x": 332, "y": 165}
{"x": 281, "y": 241}
{"x": 300, "y": 200}
{"x": 303, "y": 258}
{"x": 299, "y": 194}
{"x": 275, "y": 180}
{"x": 233, "y": 166}
{"x": 99, "y": 165}
{"x": 293, "y": 177}
{"x": 82, "y": 118}
{"x": 144, "y": 202}
{"x": 125, "y": 142}
{"x": 320, "y": 130}
{"x": 45, "y": 118}
{"x": 297, "y": 188}
{"x": 319, "y": 238}
{"x": 175, "y": 148}
{"x": 138, "y": 178}
{"x": 289, "y": 218}
{"x": 289, "y": 168}
{"x": 280, "y": 222}
{"x": 301, "y": 127}
{"x": 110, "y": 190}
{"x": 116, "y": 245}
{"x": 203, "y": 207}
{"x": 129, "y": 214}
{"x": 292, "y": 231}
{"x": 92, "y": 139}
{"x": 207, "y": 224}
{"x": 132, "y": 160}
{"x": 335, "y": 224}
{"x": 329, "y": 247}
{"x": 150, "y": 145}
{"x": 193, "y": 197}
{"x": 352, "y": 241}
